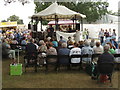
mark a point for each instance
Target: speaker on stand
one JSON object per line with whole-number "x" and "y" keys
{"x": 78, "y": 26}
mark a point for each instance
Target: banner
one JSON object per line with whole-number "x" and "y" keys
{"x": 8, "y": 24}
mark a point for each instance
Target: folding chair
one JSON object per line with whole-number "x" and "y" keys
{"x": 63, "y": 60}
{"x": 105, "y": 69}
{"x": 30, "y": 60}
{"x": 51, "y": 60}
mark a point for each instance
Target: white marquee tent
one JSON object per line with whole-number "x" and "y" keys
{"x": 58, "y": 11}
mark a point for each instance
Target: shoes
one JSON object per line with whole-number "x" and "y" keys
{"x": 94, "y": 78}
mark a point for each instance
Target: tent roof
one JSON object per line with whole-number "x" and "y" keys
{"x": 60, "y": 11}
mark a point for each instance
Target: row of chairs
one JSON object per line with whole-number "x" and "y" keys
{"x": 31, "y": 60}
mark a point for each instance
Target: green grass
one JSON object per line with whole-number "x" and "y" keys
{"x": 62, "y": 79}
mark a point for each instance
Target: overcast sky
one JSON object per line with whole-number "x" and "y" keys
{"x": 28, "y": 9}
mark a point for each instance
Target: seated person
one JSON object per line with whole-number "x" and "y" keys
{"x": 42, "y": 49}
{"x": 75, "y": 51}
{"x": 31, "y": 47}
{"x": 86, "y": 50}
{"x": 23, "y": 42}
{"x": 6, "y": 49}
{"x": 61, "y": 40}
{"x": 64, "y": 51}
{"x": 51, "y": 51}
{"x": 106, "y": 57}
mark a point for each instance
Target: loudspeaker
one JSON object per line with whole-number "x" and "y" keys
{"x": 78, "y": 26}
{"x": 29, "y": 26}
{"x": 34, "y": 34}
{"x": 35, "y": 28}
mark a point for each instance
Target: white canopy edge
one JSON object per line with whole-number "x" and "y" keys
{"x": 58, "y": 10}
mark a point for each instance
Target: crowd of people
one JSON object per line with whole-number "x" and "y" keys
{"x": 106, "y": 36}
{"x": 50, "y": 46}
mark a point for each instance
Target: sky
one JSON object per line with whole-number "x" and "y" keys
{"x": 28, "y": 9}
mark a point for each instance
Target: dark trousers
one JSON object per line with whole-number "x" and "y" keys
{"x": 101, "y": 40}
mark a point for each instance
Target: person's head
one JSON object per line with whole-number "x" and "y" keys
{"x": 106, "y": 48}
{"x": 113, "y": 30}
{"x": 48, "y": 39}
{"x": 50, "y": 44}
{"x": 24, "y": 38}
{"x": 106, "y": 30}
{"x": 81, "y": 42}
{"x": 76, "y": 44}
{"x": 92, "y": 40}
{"x": 69, "y": 38}
{"x": 32, "y": 40}
{"x": 87, "y": 43}
{"x": 97, "y": 44}
{"x": 64, "y": 45}
{"x": 61, "y": 37}
{"x": 41, "y": 42}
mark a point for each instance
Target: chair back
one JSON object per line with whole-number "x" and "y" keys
{"x": 105, "y": 68}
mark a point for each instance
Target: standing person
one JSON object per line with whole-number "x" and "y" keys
{"x": 106, "y": 34}
{"x": 114, "y": 33}
{"x": 77, "y": 36}
{"x": 50, "y": 31}
{"x": 87, "y": 34}
{"x": 101, "y": 36}
{"x": 110, "y": 33}
{"x": 70, "y": 43}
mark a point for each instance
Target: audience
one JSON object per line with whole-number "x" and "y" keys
{"x": 75, "y": 51}
{"x": 6, "y": 49}
{"x": 51, "y": 51}
{"x": 64, "y": 51}
{"x": 98, "y": 49}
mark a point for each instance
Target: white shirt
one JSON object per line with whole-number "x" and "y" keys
{"x": 118, "y": 58}
{"x": 75, "y": 51}
{"x": 98, "y": 50}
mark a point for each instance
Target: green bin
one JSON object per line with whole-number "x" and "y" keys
{"x": 16, "y": 69}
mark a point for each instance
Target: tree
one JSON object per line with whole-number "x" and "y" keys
{"x": 15, "y": 18}
{"x": 92, "y": 10}
{"x": 3, "y": 21}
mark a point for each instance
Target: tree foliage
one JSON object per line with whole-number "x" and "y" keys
{"x": 92, "y": 10}
{"x": 15, "y": 18}
{"x": 3, "y": 21}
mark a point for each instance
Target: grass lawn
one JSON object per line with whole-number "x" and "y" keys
{"x": 62, "y": 79}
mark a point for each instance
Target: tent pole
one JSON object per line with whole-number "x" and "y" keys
{"x": 56, "y": 22}
{"x": 73, "y": 24}
{"x": 41, "y": 23}
{"x": 81, "y": 24}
